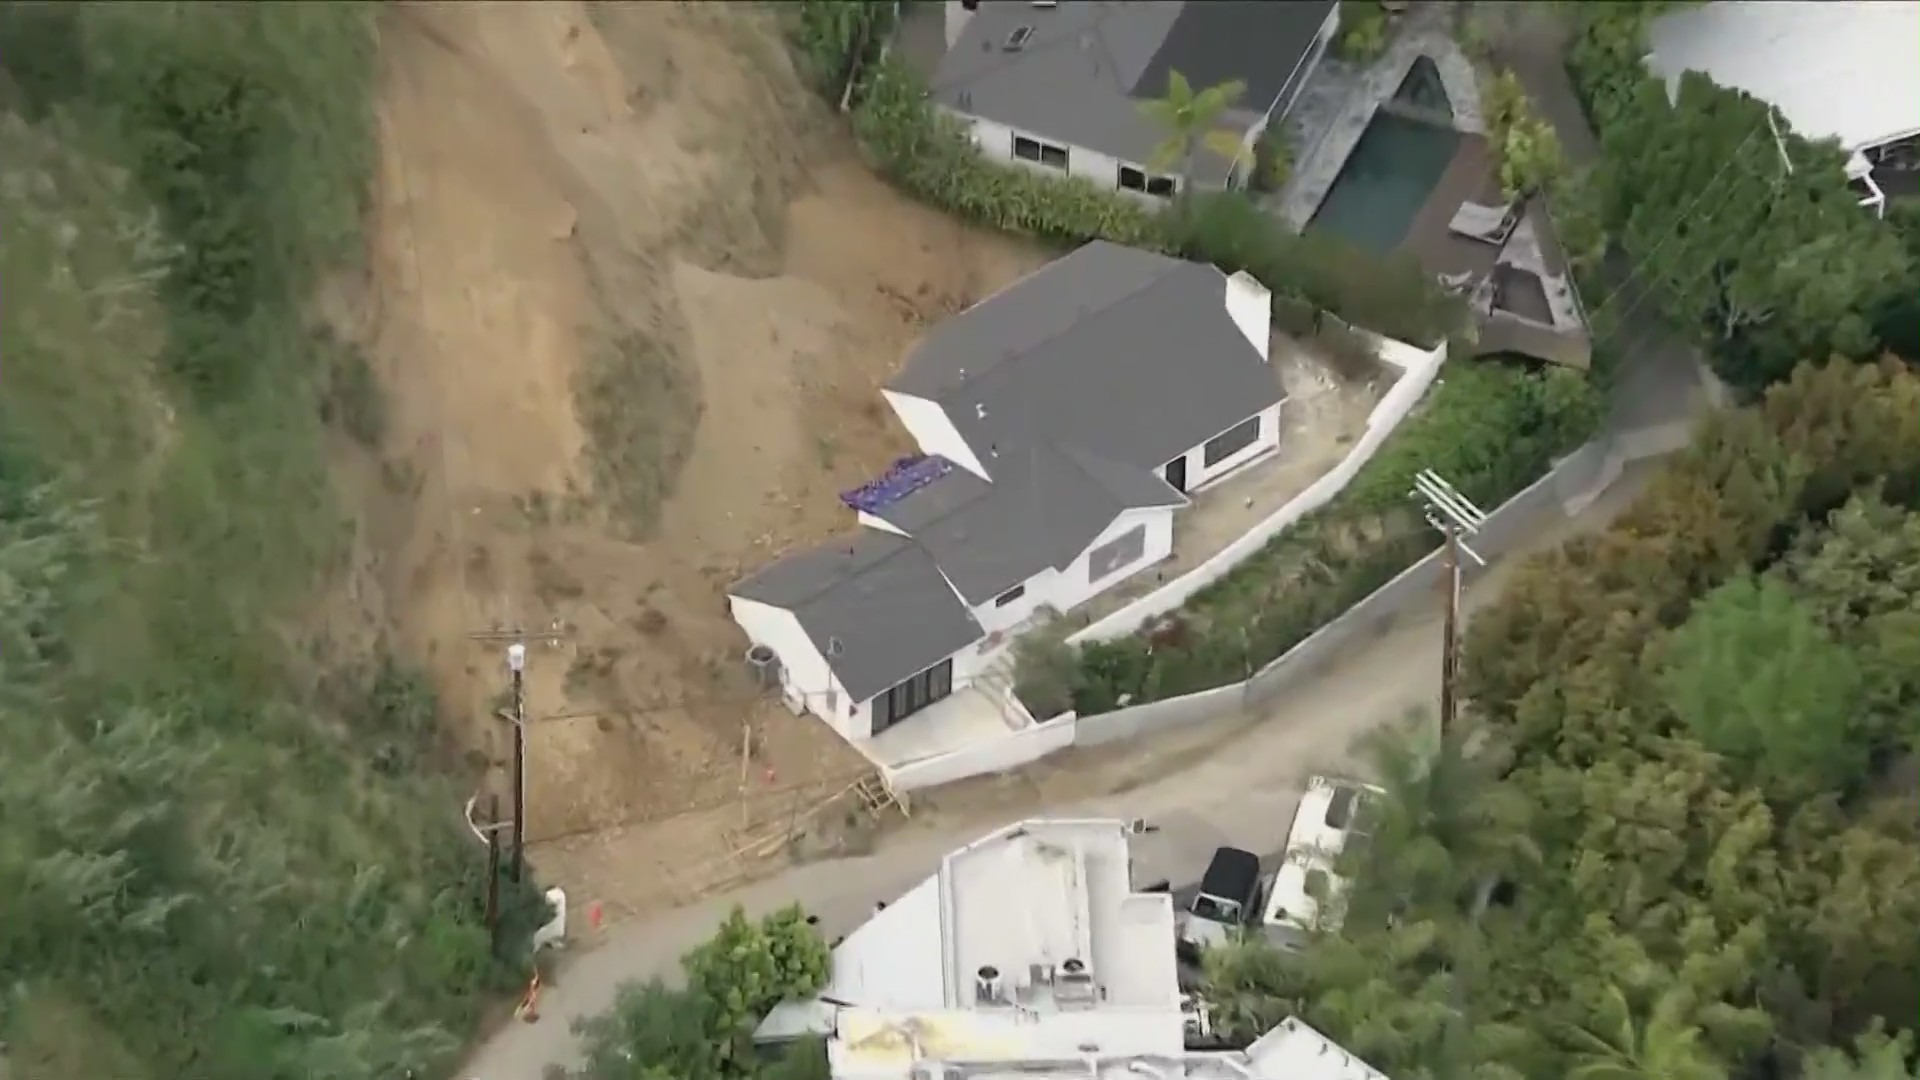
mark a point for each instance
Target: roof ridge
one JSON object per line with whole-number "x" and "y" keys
{"x": 1173, "y": 265}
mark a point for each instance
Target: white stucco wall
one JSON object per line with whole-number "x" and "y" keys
{"x": 927, "y": 422}
{"x": 1064, "y": 590}
{"x": 1250, "y": 306}
{"x": 1200, "y": 474}
{"x": 804, "y": 675}
{"x": 995, "y": 141}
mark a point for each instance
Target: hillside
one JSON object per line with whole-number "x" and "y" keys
{"x": 335, "y": 334}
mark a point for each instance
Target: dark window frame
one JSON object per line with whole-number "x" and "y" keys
{"x": 1162, "y": 186}
{"x": 1010, "y": 596}
{"x": 1137, "y": 176}
{"x": 1020, "y": 151}
{"x": 1055, "y": 157}
{"x": 1231, "y": 441}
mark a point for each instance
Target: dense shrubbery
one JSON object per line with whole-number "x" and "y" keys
{"x": 1695, "y": 742}
{"x": 1762, "y": 262}
{"x": 931, "y": 155}
{"x": 219, "y": 862}
{"x": 1491, "y": 429}
{"x": 705, "y": 1030}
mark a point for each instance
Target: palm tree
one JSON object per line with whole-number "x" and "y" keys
{"x": 1665, "y": 1045}
{"x": 1446, "y": 828}
{"x": 1191, "y": 122}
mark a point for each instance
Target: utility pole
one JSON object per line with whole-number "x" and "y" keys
{"x": 1454, "y": 515}
{"x": 489, "y": 834}
{"x": 516, "y": 671}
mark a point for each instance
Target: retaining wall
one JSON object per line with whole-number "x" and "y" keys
{"x": 1569, "y": 487}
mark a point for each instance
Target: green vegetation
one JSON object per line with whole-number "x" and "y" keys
{"x": 705, "y": 1031}
{"x": 930, "y": 155}
{"x": 1755, "y": 246}
{"x": 1489, "y": 428}
{"x": 1190, "y": 118}
{"x": 1363, "y": 31}
{"x": 1525, "y": 147}
{"x": 1675, "y": 837}
{"x": 227, "y": 856}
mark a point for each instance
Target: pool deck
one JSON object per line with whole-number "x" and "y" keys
{"x": 1339, "y": 101}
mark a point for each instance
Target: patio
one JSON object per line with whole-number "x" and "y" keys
{"x": 964, "y": 719}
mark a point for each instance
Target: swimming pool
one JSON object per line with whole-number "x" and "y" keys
{"x": 1385, "y": 181}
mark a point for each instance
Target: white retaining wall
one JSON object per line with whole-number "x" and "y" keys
{"x": 1418, "y": 369}
{"x": 1565, "y": 490}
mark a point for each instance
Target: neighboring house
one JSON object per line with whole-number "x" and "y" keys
{"x": 1058, "y": 85}
{"x": 1062, "y": 422}
{"x": 1835, "y": 69}
{"x": 1030, "y": 954}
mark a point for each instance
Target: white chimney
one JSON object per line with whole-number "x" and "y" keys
{"x": 988, "y": 988}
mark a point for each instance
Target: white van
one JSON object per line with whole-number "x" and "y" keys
{"x": 1308, "y": 894}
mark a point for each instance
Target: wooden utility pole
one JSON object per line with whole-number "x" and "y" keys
{"x": 1452, "y": 514}
{"x": 516, "y": 670}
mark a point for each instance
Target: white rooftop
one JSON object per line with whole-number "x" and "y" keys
{"x": 1839, "y": 69}
{"x": 1025, "y": 906}
{"x": 905, "y": 1000}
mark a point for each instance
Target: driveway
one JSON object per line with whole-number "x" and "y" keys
{"x": 1239, "y": 789}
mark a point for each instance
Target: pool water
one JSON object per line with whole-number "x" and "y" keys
{"x": 1385, "y": 181}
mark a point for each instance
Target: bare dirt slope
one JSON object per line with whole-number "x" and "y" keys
{"x": 630, "y": 298}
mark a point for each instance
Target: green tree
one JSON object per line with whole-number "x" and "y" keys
{"x": 747, "y": 968}
{"x": 1752, "y": 674}
{"x": 1661, "y": 1044}
{"x": 1190, "y": 120}
{"x": 1771, "y": 262}
{"x": 1876, "y": 1056}
{"x": 654, "y": 1033}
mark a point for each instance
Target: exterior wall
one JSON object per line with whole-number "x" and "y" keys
{"x": 804, "y": 675}
{"x": 929, "y": 426}
{"x": 1200, "y": 474}
{"x": 995, "y": 141}
{"x": 1063, "y": 590}
{"x": 1250, "y": 305}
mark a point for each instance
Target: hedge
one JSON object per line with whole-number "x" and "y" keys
{"x": 1491, "y": 428}
{"x": 929, "y": 154}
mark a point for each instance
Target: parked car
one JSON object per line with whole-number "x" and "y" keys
{"x": 1229, "y": 893}
{"x": 1308, "y": 892}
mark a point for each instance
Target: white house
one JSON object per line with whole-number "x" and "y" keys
{"x": 1028, "y": 954}
{"x": 1062, "y": 422}
{"x": 1835, "y": 69}
{"x": 1057, "y": 85}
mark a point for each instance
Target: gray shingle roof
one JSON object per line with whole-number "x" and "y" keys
{"x": 1121, "y": 354}
{"x": 1045, "y": 506}
{"x": 1089, "y": 62}
{"x": 874, "y": 604}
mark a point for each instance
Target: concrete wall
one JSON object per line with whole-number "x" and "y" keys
{"x": 1418, "y": 369}
{"x": 1568, "y": 488}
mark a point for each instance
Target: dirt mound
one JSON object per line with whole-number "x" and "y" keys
{"x": 630, "y": 299}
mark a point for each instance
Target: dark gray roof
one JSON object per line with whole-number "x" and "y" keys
{"x": 873, "y": 603}
{"x": 1122, "y": 355}
{"x": 1089, "y": 62}
{"x": 1045, "y": 505}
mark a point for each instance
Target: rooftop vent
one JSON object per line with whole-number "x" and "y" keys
{"x": 988, "y": 989}
{"x": 1074, "y": 984}
{"x": 1017, "y": 40}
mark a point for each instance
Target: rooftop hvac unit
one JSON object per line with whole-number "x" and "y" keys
{"x": 988, "y": 989}
{"x": 1073, "y": 984}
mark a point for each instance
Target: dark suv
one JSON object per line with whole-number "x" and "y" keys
{"x": 1229, "y": 895}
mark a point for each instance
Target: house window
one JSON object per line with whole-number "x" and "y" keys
{"x": 1010, "y": 596}
{"x": 1034, "y": 150}
{"x": 1132, "y": 179}
{"x": 1161, "y": 186}
{"x": 1056, "y": 156}
{"x": 1120, "y": 552}
{"x": 1230, "y": 442}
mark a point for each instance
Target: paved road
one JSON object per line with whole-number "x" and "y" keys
{"x": 1243, "y": 793}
